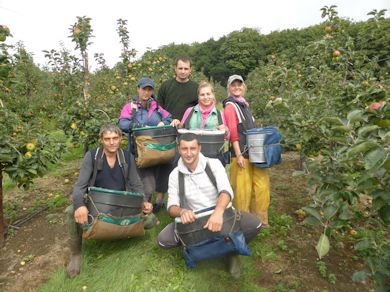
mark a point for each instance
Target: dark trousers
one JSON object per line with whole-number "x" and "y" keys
{"x": 250, "y": 225}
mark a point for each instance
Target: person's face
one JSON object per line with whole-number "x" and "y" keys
{"x": 236, "y": 88}
{"x": 189, "y": 152}
{"x": 183, "y": 71}
{"x": 111, "y": 142}
{"x": 144, "y": 93}
{"x": 205, "y": 97}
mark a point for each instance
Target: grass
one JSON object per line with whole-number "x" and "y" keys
{"x": 138, "y": 264}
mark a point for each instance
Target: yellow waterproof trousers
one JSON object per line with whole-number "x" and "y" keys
{"x": 251, "y": 186}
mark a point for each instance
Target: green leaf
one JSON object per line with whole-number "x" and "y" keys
{"x": 360, "y": 276}
{"x": 340, "y": 129}
{"x": 384, "y": 213}
{"x": 322, "y": 246}
{"x": 333, "y": 121}
{"x": 330, "y": 211}
{"x": 298, "y": 173}
{"x": 355, "y": 116}
{"x": 345, "y": 213}
{"x": 374, "y": 157}
{"x": 311, "y": 221}
{"x": 361, "y": 148}
{"x": 364, "y": 244}
{"x": 313, "y": 212}
{"x": 386, "y": 162}
{"x": 365, "y": 131}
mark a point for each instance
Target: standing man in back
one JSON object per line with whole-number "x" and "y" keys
{"x": 176, "y": 95}
{"x": 179, "y": 93}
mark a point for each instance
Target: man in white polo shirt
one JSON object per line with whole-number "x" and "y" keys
{"x": 200, "y": 194}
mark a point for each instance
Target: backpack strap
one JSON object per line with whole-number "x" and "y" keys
{"x": 123, "y": 164}
{"x": 187, "y": 121}
{"x": 240, "y": 115}
{"x": 97, "y": 164}
{"x": 210, "y": 174}
{"x": 219, "y": 116}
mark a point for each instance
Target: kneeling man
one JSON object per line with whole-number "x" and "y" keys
{"x": 200, "y": 194}
{"x": 109, "y": 175}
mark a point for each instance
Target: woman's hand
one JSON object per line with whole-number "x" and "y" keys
{"x": 241, "y": 161}
{"x": 175, "y": 123}
{"x": 222, "y": 128}
{"x": 160, "y": 124}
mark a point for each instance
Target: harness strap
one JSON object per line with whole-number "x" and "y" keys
{"x": 210, "y": 174}
{"x": 187, "y": 121}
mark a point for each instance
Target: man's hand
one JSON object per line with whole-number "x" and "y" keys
{"x": 215, "y": 221}
{"x": 187, "y": 216}
{"x": 81, "y": 215}
{"x": 147, "y": 208}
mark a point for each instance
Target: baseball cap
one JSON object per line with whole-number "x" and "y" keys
{"x": 144, "y": 82}
{"x": 234, "y": 78}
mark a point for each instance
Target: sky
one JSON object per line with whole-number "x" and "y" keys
{"x": 44, "y": 24}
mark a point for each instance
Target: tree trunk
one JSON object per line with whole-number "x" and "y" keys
{"x": 85, "y": 76}
{"x": 2, "y": 238}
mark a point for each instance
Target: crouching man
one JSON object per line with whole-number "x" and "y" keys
{"x": 107, "y": 167}
{"x": 202, "y": 192}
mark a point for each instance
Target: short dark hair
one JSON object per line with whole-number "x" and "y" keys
{"x": 184, "y": 59}
{"x": 109, "y": 128}
{"x": 188, "y": 137}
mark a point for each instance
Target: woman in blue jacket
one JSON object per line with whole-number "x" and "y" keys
{"x": 143, "y": 111}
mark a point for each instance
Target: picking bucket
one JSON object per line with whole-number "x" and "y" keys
{"x": 255, "y": 143}
{"x": 212, "y": 141}
{"x": 113, "y": 202}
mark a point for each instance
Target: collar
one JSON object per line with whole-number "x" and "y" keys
{"x": 199, "y": 168}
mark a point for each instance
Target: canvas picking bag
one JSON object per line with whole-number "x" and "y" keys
{"x": 154, "y": 145}
{"x": 113, "y": 214}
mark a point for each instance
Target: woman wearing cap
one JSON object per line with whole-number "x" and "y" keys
{"x": 250, "y": 184}
{"x": 143, "y": 111}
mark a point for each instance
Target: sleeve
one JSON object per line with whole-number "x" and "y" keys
{"x": 133, "y": 179}
{"x": 231, "y": 119}
{"x": 223, "y": 183}
{"x": 125, "y": 123}
{"x": 185, "y": 116}
{"x": 81, "y": 186}
{"x": 166, "y": 117}
{"x": 173, "y": 189}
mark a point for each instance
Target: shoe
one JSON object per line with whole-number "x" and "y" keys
{"x": 157, "y": 207}
{"x": 234, "y": 265}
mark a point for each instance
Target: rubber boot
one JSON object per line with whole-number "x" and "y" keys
{"x": 233, "y": 262}
{"x": 75, "y": 243}
{"x": 73, "y": 268}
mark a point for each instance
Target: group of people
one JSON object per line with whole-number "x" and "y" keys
{"x": 181, "y": 103}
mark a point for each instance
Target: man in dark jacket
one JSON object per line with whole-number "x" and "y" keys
{"x": 110, "y": 176}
